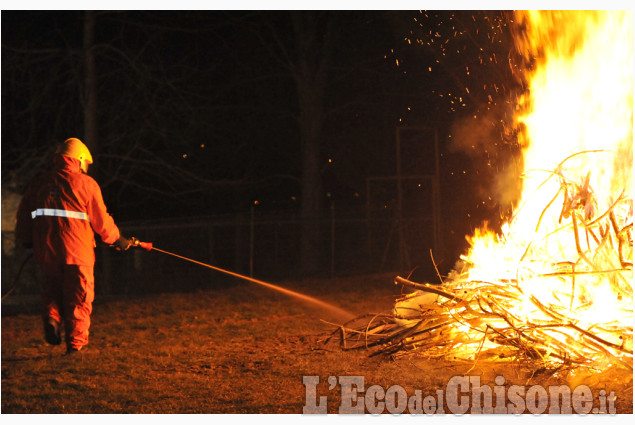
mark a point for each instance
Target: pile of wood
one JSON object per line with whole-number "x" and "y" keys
{"x": 505, "y": 320}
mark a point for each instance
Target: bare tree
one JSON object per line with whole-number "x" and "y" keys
{"x": 324, "y": 55}
{"x": 152, "y": 108}
{"x": 197, "y": 111}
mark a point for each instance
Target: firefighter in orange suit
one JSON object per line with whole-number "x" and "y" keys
{"x": 58, "y": 217}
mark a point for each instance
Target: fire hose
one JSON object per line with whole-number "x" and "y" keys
{"x": 17, "y": 276}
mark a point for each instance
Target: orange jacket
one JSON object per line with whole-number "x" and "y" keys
{"x": 59, "y": 214}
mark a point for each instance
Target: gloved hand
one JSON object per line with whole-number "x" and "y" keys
{"x": 122, "y": 244}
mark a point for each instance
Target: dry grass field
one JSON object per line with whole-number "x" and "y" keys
{"x": 241, "y": 349}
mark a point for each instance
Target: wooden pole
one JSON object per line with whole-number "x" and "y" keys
{"x": 402, "y": 242}
{"x": 251, "y": 243}
{"x": 436, "y": 196}
{"x": 332, "y": 239}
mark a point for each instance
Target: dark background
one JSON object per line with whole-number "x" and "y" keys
{"x": 272, "y": 115}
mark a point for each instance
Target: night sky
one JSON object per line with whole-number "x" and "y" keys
{"x": 202, "y": 113}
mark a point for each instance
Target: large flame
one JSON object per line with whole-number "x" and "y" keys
{"x": 569, "y": 242}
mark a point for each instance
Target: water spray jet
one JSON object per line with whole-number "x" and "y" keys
{"x": 303, "y": 297}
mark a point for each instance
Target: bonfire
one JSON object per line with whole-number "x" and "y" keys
{"x": 553, "y": 287}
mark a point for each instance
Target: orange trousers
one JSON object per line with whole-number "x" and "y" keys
{"x": 68, "y": 292}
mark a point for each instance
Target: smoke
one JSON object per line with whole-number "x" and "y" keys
{"x": 478, "y": 133}
{"x": 491, "y": 141}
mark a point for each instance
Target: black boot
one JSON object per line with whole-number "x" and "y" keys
{"x": 73, "y": 350}
{"x": 52, "y": 332}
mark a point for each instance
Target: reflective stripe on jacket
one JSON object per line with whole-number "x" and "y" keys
{"x": 60, "y": 213}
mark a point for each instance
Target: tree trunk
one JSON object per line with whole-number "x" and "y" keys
{"x": 311, "y": 112}
{"x": 310, "y": 77}
{"x": 90, "y": 85}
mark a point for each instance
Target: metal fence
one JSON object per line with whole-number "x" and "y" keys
{"x": 262, "y": 245}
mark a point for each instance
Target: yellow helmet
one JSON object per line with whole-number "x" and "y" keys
{"x": 75, "y": 148}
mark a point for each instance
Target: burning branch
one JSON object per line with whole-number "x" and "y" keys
{"x": 551, "y": 314}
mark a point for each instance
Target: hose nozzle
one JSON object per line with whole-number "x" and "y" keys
{"x": 145, "y": 245}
